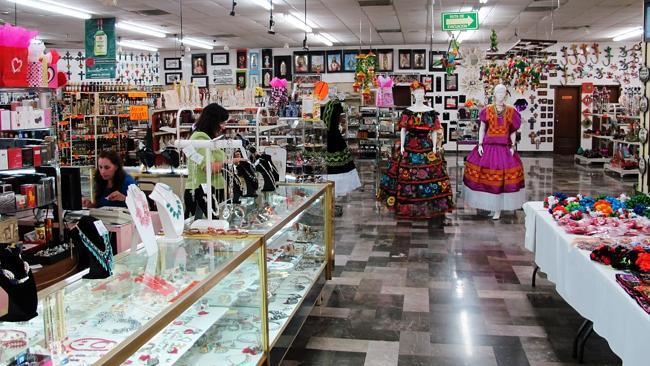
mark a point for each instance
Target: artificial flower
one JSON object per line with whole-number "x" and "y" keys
{"x": 574, "y": 206}
{"x": 390, "y": 201}
{"x": 560, "y": 209}
{"x": 431, "y": 156}
{"x": 604, "y": 207}
{"x": 643, "y": 261}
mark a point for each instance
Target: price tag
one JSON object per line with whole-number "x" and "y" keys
{"x": 137, "y": 94}
{"x": 101, "y": 228}
{"x": 138, "y": 112}
{"x": 193, "y": 155}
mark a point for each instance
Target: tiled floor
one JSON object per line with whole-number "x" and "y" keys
{"x": 456, "y": 292}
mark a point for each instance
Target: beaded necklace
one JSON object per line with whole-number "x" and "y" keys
{"x": 12, "y": 277}
{"x": 105, "y": 257}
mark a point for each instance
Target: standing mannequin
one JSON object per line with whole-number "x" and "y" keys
{"x": 494, "y": 174}
{"x": 416, "y": 184}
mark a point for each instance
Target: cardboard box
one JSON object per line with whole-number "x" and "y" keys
{"x": 14, "y": 158}
{"x": 37, "y": 158}
{"x": 23, "y": 118}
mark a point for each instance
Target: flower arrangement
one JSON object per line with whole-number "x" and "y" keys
{"x": 620, "y": 257}
{"x": 560, "y": 206}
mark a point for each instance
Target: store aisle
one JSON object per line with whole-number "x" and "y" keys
{"x": 452, "y": 293}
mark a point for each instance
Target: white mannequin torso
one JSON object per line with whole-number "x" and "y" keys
{"x": 419, "y": 106}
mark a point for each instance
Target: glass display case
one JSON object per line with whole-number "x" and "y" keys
{"x": 231, "y": 299}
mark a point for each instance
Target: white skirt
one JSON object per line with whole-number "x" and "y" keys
{"x": 494, "y": 202}
{"x": 344, "y": 183}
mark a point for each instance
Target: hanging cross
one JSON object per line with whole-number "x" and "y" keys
{"x": 81, "y": 74}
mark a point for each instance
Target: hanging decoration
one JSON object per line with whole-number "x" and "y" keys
{"x": 364, "y": 75}
{"x": 517, "y": 72}
{"x": 448, "y": 61}
{"x": 494, "y": 41}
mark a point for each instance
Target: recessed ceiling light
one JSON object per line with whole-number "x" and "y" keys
{"x": 54, "y": 7}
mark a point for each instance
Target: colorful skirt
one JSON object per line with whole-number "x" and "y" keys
{"x": 416, "y": 185}
{"x": 494, "y": 181}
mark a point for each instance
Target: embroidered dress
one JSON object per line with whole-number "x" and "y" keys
{"x": 340, "y": 164}
{"x": 416, "y": 185}
{"x": 495, "y": 181}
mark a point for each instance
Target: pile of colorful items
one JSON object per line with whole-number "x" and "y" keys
{"x": 579, "y": 207}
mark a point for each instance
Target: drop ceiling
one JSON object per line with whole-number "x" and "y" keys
{"x": 390, "y": 22}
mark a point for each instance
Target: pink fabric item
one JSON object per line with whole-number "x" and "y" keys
{"x": 495, "y": 157}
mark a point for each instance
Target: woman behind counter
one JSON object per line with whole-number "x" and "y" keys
{"x": 111, "y": 181}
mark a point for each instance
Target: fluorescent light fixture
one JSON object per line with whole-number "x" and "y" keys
{"x": 631, "y": 33}
{"x": 54, "y": 7}
{"x": 464, "y": 35}
{"x": 137, "y": 45}
{"x": 296, "y": 22}
{"x": 266, "y": 4}
{"x": 329, "y": 37}
{"x": 142, "y": 29}
{"x": 483, "y": 1}
{"x": 320, "y": 38}
{"x": 466, "y": 8}
{"x": 483, "y": 12}
{"x": 197, "y": 43}
{"x": 301, "y": 16}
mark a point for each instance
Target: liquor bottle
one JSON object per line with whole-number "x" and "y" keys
{"x": 101, "y": 40}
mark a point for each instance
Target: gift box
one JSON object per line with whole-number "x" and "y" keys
{"x": 47, "y": 117}
{"x": 37, "y": 157}
{"x": 14, "y": 62}
{"x": 4, "y": 165}
{"x": 14, "y": 158}
{"x": 22, "y": 118}
{"x": 37, "y": 119}
{"x": 27, "y": 156}
{"x": 29, "y": 191}
{"x": 5, "y": 120}
{"x": 35, "y": 75}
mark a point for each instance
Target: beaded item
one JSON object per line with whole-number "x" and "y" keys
{"x": 175, "y": 211}
{"x": 12, "y": 277}
{"x": 105, "y": 257}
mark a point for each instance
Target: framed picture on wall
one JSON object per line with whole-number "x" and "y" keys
{"x": 300, "y": 62}
{"x": 241, "y": 79}
{"x": 171, "y": 77}
{"x": 451, "y": 82}
{"x": 429, "y": 101}
{"x": 334, "y": 61}
{"x": 434, "y": 60}
{"x": 451, "y": 102}
{"x": 199, "y": 64}
{"x": 200, "y": 81}
{"x": 427, "y": 81}
{"x": 419, "y": 59}
{"x": 385, "y": 60}
{"x": 172, "y": 63}
{"x": 242, "y": 60}
{"x": 405, "y": 61}
{"x": 220, "y": 58}
{"x": 438, "y": 99}
{"x": 253, "y": 61}
{"x": 267, "y": 58}
{"x": 282, "y": 66}
{"x": 267, "y": 75}
{"x": 317, "y": 62}
{"x": 350, "y": 60}
{"x": 253, "y": 81}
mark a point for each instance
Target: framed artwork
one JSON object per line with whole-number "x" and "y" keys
{"x": 550, "y": 139}
{"x": 242, "y": 60}
{"x": 451, "y": 102}
{"x": 253, "y": 61}
{"x": 334, "y": 61}
{"x": 385, "y": 60}
{"x": 172, "y": 63}
{"x": 223, "y": 76}
{"x": 436, "y": 56}
{"x": 404, "y": 79}
{"x": 220, "y": 58}
{"x": 282, "y": 67}
{"x": 317, "y": 62}
{"x": 419, "y": 59}
{"x": 267, "y": 58}
{"x": 438, "y": 99}
{"x": 549, "y": 124}
{"x": 543, "y": 124}
{"x": 241, "y": 79}
{"x": 171, "y": 77}
{"x": 453, "y": 134}
{"x": 199, "y": 64}
{"x": 427, "y": 81}
{"x": 200, "y": 81}
{"x": 451, "y": 82}
{"x": 267, "y": 75}
{"x": 445, "y": 116}
{"x": 438, "y": 84}
{"x": 307, "y": 80}
{"x": 462, "y": 99}
{"x": 405, "y": 59}
{"x": 300, "y": 62}
{"x": 429, "y": 101}
{"x": 253, "y": 81}
{"x": 350, "y": 60}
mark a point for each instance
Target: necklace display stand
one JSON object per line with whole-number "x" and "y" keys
{"x": 170, "y": 211}
{"x": 136, "y": 201}
{"x": 17, "y": 280}
{"x": 265, "y": 166}
{"x": 93, "y": 241}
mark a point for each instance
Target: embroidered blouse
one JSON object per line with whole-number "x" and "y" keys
{"x": 499, "y": 128}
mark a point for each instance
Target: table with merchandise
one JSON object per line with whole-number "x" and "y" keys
{"x": 199, "y": 301}
{"x": 596, "y": 291}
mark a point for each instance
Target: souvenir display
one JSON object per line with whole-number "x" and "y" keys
{"x": 170, "y": 210}
{"x": 17, "y": 280}
{"x": 138, "y": 206}
{"x": 92, "y": 238}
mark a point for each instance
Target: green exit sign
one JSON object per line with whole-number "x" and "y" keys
{"x": 460, "y": 21}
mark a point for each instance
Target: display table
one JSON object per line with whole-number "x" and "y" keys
{"x": 589, "y": 287}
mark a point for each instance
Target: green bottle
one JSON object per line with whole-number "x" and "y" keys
{"x": 101, "y": 40}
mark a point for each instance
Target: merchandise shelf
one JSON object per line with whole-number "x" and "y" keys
{"x": 585, "y": 160}
{"x": 621, "y": 172}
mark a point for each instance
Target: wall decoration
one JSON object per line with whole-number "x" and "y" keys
{"x": 200, "y": 81}
{"x": 445, "y": 116}
{"x": 453, "y": 134}
{"x": 220, "y": 58}
{"x": 334, "y": 61}
{"x": 253, "y": 81}
{"x": 438, "y": 84}
{"x": 253, "y": 61}
{"x": 451, "y": 82}
{"x": 365, "y": 75}
{"x": 494, "y": 41}
{"x": 435, "y": 56}
{"x": 138, "y": 68}
{"x": 419, "y": 59}
{"x": 427, "y": 81}
{"x": 307, "y": 80}
{"x": 438, "y": 99}
{"x": 100, "y": 48}
{"x": 199, "y": 64}
{"x": 267, "y": 58}
{"x": 462, "y": 99}
{"x": 223, "y": 76}
{"x": 317, "y": 62}
{"x": 282, "y": 66}
{"x": 242, "y": 59}
{"x": 300, "y": 62}
{"x": 451, "y": 102}
{"x": 405, "y": 79}
{"x": 350, "y": 60}
{"x": 473, "y": 58}
{"x": 405, "y": 59}
{"x": 172, "y": 63}
{"x": 429, "y": 101}
{"x": 267, "y": 75}
{"x": 385, "y": 60}
{"x": 171, "y": 77}
{"x": 241, "y": 79}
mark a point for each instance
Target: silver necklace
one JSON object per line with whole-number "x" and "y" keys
{"x": 12, "y": 277}
{"x": 269, "y": 174}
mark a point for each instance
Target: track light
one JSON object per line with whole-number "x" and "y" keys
{"x": 54, "y": 7}
{"x": 232, "y": 11}
{"x": 305, "y": 46}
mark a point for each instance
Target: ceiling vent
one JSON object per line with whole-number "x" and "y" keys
{"x": 150, "y": 12}
{"x": 363, "y": 3}
{"x": 545, "y": 5}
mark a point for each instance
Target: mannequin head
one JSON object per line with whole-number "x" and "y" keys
{"x": 418, "y": 94}
{"x": 500, "y": 92}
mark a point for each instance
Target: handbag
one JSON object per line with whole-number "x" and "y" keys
{"x": 13, "y": 66}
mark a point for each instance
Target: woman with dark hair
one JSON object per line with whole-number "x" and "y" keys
{"x": 208, "y": 127}
{"x": 111, "y": 181}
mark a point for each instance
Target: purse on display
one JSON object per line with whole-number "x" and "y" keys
{"x": 17, "y": 280}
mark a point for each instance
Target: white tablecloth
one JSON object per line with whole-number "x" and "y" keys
{"x": 589, "y": 287}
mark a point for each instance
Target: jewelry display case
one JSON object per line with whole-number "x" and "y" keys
{"x": 200, "y": 301}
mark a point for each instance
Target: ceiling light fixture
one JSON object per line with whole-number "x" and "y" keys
{"x": 322, "y": 39}
{"x": 232, "y": 10}
{"x": 142, "y": 29}
{"x": 54, "y": 7}
{"x": 266, "y": 4}
{"x": 329, "y": 37}
{"x": 631, "y": 33}
{"x": 197, "y": 43}
{"x": 483, "y": 1}
{"x": 271, "y": 21}
{"x": 296, "y": 22}
{"x": 302, "y": 18}
{"x": 137, "y": 45}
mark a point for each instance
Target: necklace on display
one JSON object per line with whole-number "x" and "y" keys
{"x": 12, "y": 277}
{"x": 268, "y": 173}
{"x": 141, "y": 207}
{"x": 105, "y": 257}
{"x": 231, "y": 181}
{"x": 176, "y": 211}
